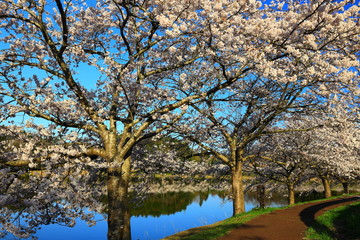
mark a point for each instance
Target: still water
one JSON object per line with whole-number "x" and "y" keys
{"x": 158, "y": 216}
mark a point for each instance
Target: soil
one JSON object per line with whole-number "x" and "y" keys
{"x": 286, "y": 224}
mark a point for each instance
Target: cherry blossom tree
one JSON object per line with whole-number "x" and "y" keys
{"x": 152, "y": 58}
{"x": 298, "y": 54}
{"x": 145, "y": 58}
{"x": 281, "y": 160}
{"x": 334, "y": 149}
{"x": 166, "y": 157}
{"x": 327, "y": 147}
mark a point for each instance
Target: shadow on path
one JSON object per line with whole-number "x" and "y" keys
{"x": 309, "y": 214}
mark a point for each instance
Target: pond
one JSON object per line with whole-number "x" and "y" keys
{"x": 158, "y": 216}
{"x": 57, "y": 208}
{"x": 198, "y": 209}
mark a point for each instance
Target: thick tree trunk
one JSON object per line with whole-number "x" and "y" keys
{"x": 237, "y": 189}
{"x": 118, "y": 205}
{"x": 327, "y": 188}
{"x": 291, "y": 198}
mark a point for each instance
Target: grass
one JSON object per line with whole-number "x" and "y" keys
{"x": 339, "y": 223}
{"x": 214, "y": 231}
{"x": 219, "y": 229}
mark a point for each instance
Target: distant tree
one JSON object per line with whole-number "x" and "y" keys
{"x": 280, "y": 159}
{"x": 182, "y": 148}
{"x": 166, "y": 155}
{"x": 334, "y": 149}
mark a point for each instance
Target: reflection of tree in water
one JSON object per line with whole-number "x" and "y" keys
{"x": 168, "y": 203}
{"x": 272, "y": 197}
{"x": 162, "y": 204}
{"x": 29, "y": 200}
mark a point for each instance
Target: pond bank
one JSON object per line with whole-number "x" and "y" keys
{"x": 291, "y": 222}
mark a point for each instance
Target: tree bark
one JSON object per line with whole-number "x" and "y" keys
{"x": 237, "y": 189}
{"x": 260, "y": 189}
{"x": 291, "y": 198}
{"x": 118, "y": 202}
{"x": 327, "y": 188}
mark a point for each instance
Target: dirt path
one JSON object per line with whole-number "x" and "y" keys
{"x": 285, "y": 224}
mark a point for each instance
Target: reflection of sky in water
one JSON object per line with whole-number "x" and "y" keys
{"x": 81, "y": 231}
{"x": 212, "y": 210}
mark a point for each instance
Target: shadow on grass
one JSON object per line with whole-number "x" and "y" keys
{"x": 211, "y": 232}
{"x": 215, "y": 232}
{"x": 348, "y": 221}
{"x": 343, "y": 222}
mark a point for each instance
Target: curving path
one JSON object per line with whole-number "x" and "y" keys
{"x": 286, "y": 224}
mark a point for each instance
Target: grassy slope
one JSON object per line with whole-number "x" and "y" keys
{"x": 339, "y": 223}
{"x": 216, "y": 230}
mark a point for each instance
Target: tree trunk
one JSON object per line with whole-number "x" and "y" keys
{"x": 260, "y": 189}
{"x": 327, "y": 188}
{"x": 237, "y": 189}
{"x": 118, "y": 205}
{"x": 346, "y": 187}
{"x": 291, "y": 189}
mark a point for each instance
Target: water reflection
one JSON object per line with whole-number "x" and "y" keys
{"x": 65, "y": 211}
{"x": 146, "y": 226}
{"x": 202, "y": 208}
{"x": 169, "y": 203}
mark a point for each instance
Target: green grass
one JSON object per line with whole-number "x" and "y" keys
{"x": 339, "y": 223}
{"x": 214, "y": 231}
{"x": 228, "y": 224}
